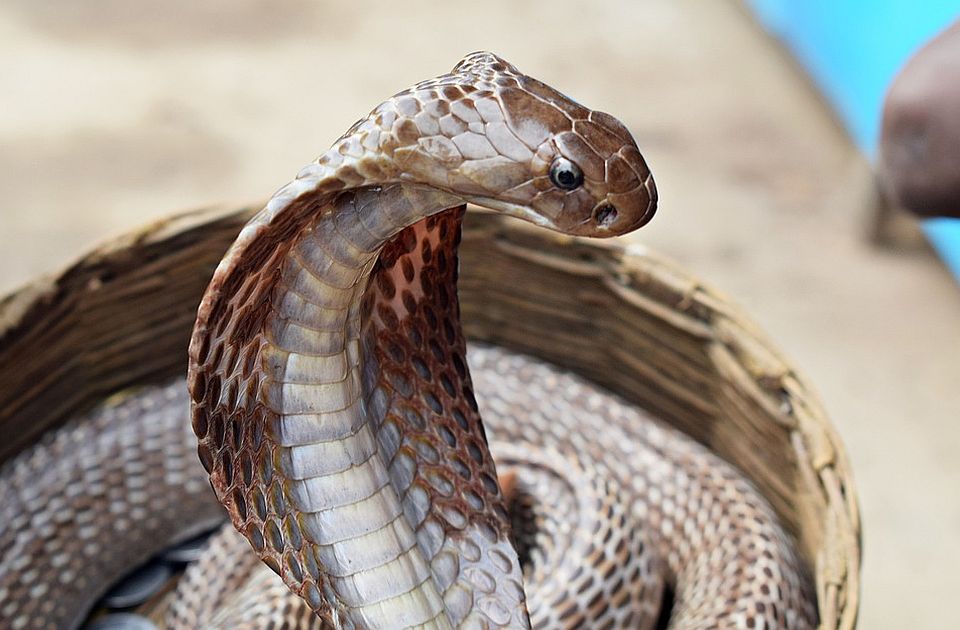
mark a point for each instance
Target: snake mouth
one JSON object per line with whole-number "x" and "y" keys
{"x": 518, "y": 211}
{"x": 610, "y": 219}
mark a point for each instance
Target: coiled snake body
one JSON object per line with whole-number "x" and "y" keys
{"x": 330, "y": 391}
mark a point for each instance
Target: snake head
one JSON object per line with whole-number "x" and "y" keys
{"x": 505, "y": 141}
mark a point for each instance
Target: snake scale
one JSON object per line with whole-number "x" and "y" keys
{"x": 332, "y": 393}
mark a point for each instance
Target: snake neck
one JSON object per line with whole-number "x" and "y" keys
{"x": 377, "y": 498}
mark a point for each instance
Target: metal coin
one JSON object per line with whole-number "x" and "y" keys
{"x": 139, "y": 586}
{"x": 122, "y": 621}
{"x": 187, "y": 551}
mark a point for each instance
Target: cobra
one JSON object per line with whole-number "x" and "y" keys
{"x": 336, "y": 416}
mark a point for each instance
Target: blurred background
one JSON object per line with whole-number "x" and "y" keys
{"x": 117, "y": 112}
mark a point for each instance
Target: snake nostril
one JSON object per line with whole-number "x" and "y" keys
{"x": 606, "y": 215}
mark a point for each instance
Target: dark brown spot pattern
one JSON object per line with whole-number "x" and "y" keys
{"x": 451, "y": 426}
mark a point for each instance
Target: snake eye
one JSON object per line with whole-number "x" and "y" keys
{"x": 565, "y": 174}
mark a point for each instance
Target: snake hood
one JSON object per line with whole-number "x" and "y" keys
{"x": 333, "y": 407}
{"x": 331, "y": 396}
{"x": 500, "y": 139}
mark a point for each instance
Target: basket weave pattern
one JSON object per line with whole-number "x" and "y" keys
{"x": 634, "y": 323}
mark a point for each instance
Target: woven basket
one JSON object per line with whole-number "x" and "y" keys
{"x": 633, "y": 323}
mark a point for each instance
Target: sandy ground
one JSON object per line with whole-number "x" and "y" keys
{"x": 117, "y": 112}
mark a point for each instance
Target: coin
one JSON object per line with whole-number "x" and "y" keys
{"x": 139, "y": 586}
{"x": 122, "y": 621}
{"x": 187, "y": 551}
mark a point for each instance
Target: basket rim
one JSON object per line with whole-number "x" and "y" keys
{"x": 630, "y": 271}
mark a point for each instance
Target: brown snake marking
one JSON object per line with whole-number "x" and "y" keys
{"x": 330, "y": 392}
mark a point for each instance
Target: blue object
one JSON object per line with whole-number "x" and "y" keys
{"x": 853, "y": 49}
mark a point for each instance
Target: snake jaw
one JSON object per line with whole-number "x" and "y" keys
{"x": 493, "y": 136}
{"x": 518, "y": 211}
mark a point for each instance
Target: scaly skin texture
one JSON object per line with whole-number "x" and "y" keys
{"x": 92, "y": 501}
{"x": 585, "y": 462}
{"x": 372, "y": 492}
{"x": 337, "y": 420}
{"x": 610, "y": 507}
